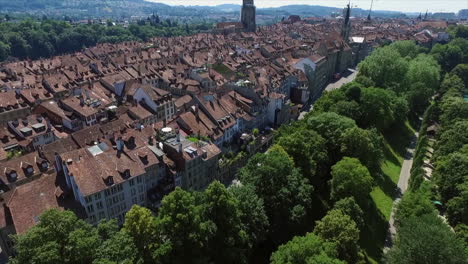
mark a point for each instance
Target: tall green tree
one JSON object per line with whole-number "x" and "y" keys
{"x": 229, "y": 242}
{"x": 350, "y": 179}
{"x": 140, "y": 224}
{"x": 252, "y": 210}
{"x": 183, "y": 231}
{"x": 384, "y": 67}
{"x": 339, "y": 228}
{"x": 59, "y": 237}
{"x": 307, "y": 148}
{"x": 285, "y": 192}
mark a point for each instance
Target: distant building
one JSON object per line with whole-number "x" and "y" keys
{"x": 463, "y": 14}
{"x": 248, "y": 16}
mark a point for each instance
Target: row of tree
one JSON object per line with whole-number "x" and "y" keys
{"x": 35, "y": 39}
{"x": 312, "y": 186}
{"x": 418, "y": 221}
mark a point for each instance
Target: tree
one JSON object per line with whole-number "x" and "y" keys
{"x": 252, "y": 210}
{"x": 229, "y": 241}
{"x": 378, "y": 108}
{"x": 413, "y": 204}
{"x": 59, "y": 237}
{"x": 418, "y": 97}
{"x": 365, "y": 145}
{"x": 452, "y": 139}
{"x": 183, "y": 231}
{"x": 452, "y": 81}
{"x": 448, "y": 55}
{"x": 461, "y": 70}
{"x": 426, "y": 239}
{"x": 285, "y": 192}
{"x": 349, "y": 207}
{"x": 350, "y": 179}
{"x": 331, "y": 126}
{"x": 4, "y": 51}
{"x": 118, "y": 248}
{"x": 308, "y": 249}
{"x": 338, "y": 228}
{"x": 18, "y": 46}
{"x": 384, "y": 67}
{"x": 407, "y": 48}
{"x": 307, "y": 148}
{"x": 140, "y": 224}
{"x": 423, "y": 69}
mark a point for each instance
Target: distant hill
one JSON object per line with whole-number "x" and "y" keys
{"x": 83, "y": 9}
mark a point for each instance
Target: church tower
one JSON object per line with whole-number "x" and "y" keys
{"x": 248, "y": 16}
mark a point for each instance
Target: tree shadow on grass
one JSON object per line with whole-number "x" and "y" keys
{"x": 373, "y": 234}
{"x": 399, "y": 137}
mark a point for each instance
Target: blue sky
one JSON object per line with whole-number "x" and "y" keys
{"x": 395, "y": 5}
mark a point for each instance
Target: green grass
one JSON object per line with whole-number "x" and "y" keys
{"x": 223, "y": 70}
{"x": 379, "y": 209}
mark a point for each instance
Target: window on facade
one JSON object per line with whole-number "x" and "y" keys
{"x": 107, "y": 192}
{"x": 134, "y": 200}
{"x": 132, "y": 182}
{"x": 102, "y": 215}
{"x": 142, "y": 197}
{"x": 97, "y": 196}
{"x": 139, "y": 179}
{"x": 122, "y": 197}
{"x": 90, "y": 208}
{"x": 92, "y": 218}
{"x": 99, "y": 205}
{"x": 133, "y": 191}
{"x": 89, "y": 199}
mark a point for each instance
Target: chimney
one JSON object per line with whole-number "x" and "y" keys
{"x": 178, "y": 136}
{"x": 82, "y": 102}
{"x": 180, "y": 148}
{"x": 151, "y": 141}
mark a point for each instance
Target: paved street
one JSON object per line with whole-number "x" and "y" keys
{"x": 402, "y": 187}
{"x": 342, "y": 81}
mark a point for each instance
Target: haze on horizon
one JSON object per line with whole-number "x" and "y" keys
{"x": 389, "y": 5}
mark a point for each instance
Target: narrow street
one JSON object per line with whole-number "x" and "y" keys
{"x": 403, "y": 181}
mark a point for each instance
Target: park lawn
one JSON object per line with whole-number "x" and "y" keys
{"x": 377, "y": 216}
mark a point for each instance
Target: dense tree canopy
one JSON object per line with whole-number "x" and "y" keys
{"x": 35, "y": 39}
{"x": 285, "y": 192}
{"x": 426, "y": 239}
{"x": 384, "y": 67}
{"x": 308, "y": 249}
{"x": 340, "y": 229}
{"x": 350, "y": 179}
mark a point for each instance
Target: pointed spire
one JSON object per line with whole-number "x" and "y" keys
{"x": 425, "y": 16}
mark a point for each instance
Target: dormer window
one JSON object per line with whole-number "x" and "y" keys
{"x": 109, "y": 180}
{"x": 12, "y": 175}
{"x": 45, "y": 165}
{"x": 29, "y": 170}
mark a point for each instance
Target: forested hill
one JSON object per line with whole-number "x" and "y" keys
{"x": 132, "y": 8}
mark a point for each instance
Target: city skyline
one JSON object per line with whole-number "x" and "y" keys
{"x": 387, "y": 5}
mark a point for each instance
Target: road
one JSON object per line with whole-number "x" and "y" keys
{"x": 344, "y": 80}
{"x": 403, "y": 181}
{"x": 332, "y": 86}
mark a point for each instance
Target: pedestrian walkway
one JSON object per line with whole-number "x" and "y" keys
{"x": 403, "y": 181}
